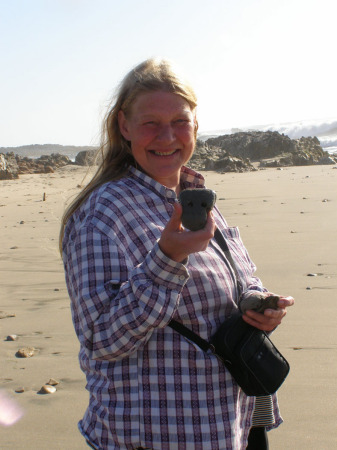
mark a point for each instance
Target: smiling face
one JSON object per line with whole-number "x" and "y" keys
{"x": 161, "y": 128}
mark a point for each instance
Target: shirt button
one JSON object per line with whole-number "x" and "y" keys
{"x": 182, "y": 277}
{"x": 169, "y": 194}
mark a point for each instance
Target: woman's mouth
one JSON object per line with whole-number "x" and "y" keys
{"x": 158, "y": 153}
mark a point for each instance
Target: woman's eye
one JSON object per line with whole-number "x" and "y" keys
{"x": 182, "y": 122}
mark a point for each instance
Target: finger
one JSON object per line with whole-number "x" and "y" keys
{"x": 285, "y": 302}
{"x": 276, "y": 314}
{"x": 174, "y": 223}
{"x": 263, "y": 321}
{"x": 261, "y": 325}
{"x": 210, "y": 224}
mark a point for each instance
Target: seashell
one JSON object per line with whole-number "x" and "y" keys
{"x": 19, "y": 390}
{"x": 26, "y": 352}
{"x": 46, "y": 389}
{"x": 53, "y": 382}
{"x": 12, "y": 337}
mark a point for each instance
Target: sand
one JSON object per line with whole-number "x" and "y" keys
{"x": 287, "y": 219}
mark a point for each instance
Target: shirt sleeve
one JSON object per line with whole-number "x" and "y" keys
{"x": 116, "y": 307}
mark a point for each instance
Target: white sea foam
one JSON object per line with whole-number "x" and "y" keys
{"x": 324, "y": 130}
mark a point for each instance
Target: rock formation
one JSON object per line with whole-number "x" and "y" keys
{"x": 229, "y": 153}
{"x": 11, "y": 166}
{"x": 211, "y": 157}
{"x": 273, "y": 149}
{"x": 9, "y": 169}
{"x": 85, "y": 157}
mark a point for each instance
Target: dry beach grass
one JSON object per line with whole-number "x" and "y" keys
{"x": 287, "y": 219}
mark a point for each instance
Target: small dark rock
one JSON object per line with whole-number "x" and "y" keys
{"x": 196, "y": 204}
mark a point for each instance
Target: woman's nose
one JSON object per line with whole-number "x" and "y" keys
{"x": 166, "y": 133}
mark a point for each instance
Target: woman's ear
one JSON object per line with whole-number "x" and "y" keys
{"x": 123, "y": 125}
{"x": 196, "y": 124}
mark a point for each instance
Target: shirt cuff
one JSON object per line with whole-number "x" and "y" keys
{"x": 164, "y": 271}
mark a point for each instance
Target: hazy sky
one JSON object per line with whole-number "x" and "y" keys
{"x": 251, "y": 62}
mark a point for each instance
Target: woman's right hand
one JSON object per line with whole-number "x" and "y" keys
{"x": 177, "y": 243}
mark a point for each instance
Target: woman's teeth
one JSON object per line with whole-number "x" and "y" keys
{"x": 163, "y": 153}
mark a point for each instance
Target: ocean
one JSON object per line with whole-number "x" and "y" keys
{"x": 324, "y": 130}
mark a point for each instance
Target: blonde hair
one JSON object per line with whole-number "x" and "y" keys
{"x": 114, "y": 152}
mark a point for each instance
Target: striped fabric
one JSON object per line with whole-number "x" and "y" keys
{"x": 148, "y": 385}
{"x": 263, "y": 412}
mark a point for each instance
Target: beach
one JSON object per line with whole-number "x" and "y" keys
{"x": 287, "y": 219}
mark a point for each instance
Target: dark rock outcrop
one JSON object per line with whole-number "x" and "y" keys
{"x": 9, "y": 169}
{"x": 273, "y": 149}
{"x": 211, "y": 157}
{"x": 85, "y": 158}
{"x": 255, "y": 145}
{"x": 229, "y": 153}
{"x": 11, "y": 166}
{"x": 43, "y": 164}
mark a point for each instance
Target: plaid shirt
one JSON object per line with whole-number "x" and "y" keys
{"x": 149, "y": 386}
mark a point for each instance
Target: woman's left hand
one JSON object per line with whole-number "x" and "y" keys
{"x": 271, "y": 318}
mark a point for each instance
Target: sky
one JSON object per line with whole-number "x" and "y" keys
{"x": 251, "y": 62}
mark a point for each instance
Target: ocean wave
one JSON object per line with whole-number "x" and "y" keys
{"x": 296, "y": 130}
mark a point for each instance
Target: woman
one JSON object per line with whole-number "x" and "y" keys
{"x": 131, "y": 267}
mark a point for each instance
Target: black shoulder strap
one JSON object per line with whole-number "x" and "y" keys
{"x": 221, "y": 241}
{"x": 189, "y": 334}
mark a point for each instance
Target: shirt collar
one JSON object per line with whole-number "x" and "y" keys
{"x": 188, "y": 179}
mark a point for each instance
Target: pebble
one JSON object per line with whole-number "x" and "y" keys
{"x": 53, "y": 382}
{"x": 312, "y": 275}
{"x": 19, "y": 390}
{"x": 47, "y": 389}
{"x": 26, "y": 352}
{"x": 12, "y": 337}
{"x": 259, "y": 302}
